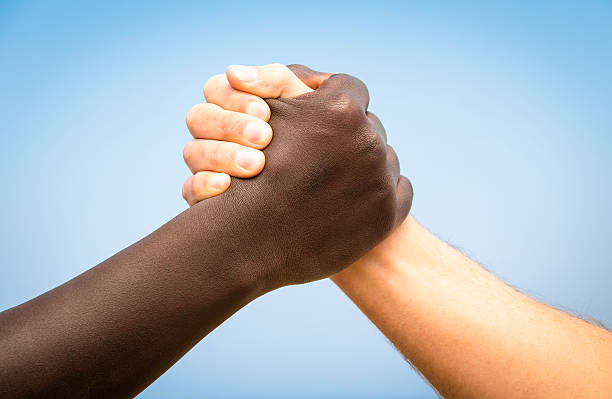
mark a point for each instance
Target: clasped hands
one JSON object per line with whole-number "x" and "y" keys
{"x": 329, "y": 201}
{"x": 329, "y": 192}
{"x": 331, "y": 188}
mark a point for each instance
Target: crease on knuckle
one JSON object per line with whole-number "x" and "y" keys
{"x": 372, "y": 150}
{"x": 188, "y": 152}
{"x": 281, "y": 79}
{"x": 213, "y": 83}
{"x": 232, "y": 128}
{"x": 214, "y": 155}
{"x": 347, "y": 108}
{"x": 278, "y": 69}
{"x": 199, "y": 185}
{"x": 191, "y": 119}
{"x": 184, "y": 189}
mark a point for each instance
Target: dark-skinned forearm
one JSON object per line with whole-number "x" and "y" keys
{"x": 331, "y": 191}
{"x": 114, "y": 329}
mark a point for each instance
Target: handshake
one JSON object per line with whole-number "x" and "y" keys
{"x": 317, "y": 192}
{"x": 331, "y": 188}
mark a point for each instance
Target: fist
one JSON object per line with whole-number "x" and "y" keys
{"x": 330, "y": 190}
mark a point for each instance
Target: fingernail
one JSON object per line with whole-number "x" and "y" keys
{"x": 257, "y": 110}
{"x": 218, "y": 181}
{"x": 244, "y": 73}
{"x": 256, "y": 133}
{"x": 246, "y": 159}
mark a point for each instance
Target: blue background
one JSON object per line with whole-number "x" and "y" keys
{"x": 501, "y": 116}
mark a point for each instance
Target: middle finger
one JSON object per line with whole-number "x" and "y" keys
{"x": 209, "y": 121}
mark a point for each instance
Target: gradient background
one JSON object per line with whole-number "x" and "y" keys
{"x": 501, "y": 116}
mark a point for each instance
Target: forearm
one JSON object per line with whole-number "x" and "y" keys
{"x": 471, "y": 335}
{"x": 114, "y": 329}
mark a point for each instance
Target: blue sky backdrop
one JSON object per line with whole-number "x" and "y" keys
{"x": 500, "y": 114}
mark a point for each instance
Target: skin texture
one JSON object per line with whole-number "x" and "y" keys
{"x": 467, "y": 332}
{"x": 220, "y": 128}
{"x": 114, "y": 329}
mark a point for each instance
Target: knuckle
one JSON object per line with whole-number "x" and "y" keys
{"x": 199, "y": 183}
{"x": 278, "y": 76}
{"x": 214, "y": 152}
{"x": 193, "y": 187}
{"x": 391, "y": 154}
{"x": 347, "y": 107}
{"x": 373, "y": 150}
{"x": 213, "y": 83}
{"x": 200, "y": 115}
{"x": 192, "y": 115}
{"x": 188, "y": 152}
{"x": 232, "y": 127}
{"x": 278, "y": 68}
{"x": 355, "y": 83}
{"x": 409, "y": 188}
{"x": 358, "y": 82}
{"x": 295, "y": 67}
{"x": 184, "y": 190}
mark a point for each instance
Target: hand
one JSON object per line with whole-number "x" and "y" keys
{"x": 228, "y": 131}
{"x": 331, "y": 189}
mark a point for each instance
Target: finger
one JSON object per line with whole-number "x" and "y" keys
{"x": 217, "y": 90}
{"x": 311, "y": 78}
{"x": 377, "y": 125}
{"x": 393, "y": 162}
{"x": 204, "y": 185}
{"x": 268, "y": 81}
{"x": 345, "y": 88}
{"x": 210, "y": 121}
{"x": 404, "y": 198}
{"x": 222, "y": 156}
{"x": 403, "y": 188}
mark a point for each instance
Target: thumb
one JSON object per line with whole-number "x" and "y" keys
{"x": 311, "y": 78}
{"x": 267, "y": 81}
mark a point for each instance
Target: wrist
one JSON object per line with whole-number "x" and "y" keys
{"x": 202, "y": 249}
{"x": 405, "y": 245}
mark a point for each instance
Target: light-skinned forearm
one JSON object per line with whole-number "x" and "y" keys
{"x": 468, "y": 333}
